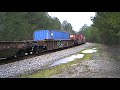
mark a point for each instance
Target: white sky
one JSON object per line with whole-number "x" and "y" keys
{"x": 76, "y": 19}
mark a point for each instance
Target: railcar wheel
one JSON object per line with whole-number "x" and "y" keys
{"x": 45, "y": 48}
{"x": 20, "y": 53}
{"x": 10, "y": 57}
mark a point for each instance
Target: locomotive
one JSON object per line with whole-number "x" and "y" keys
{"x": 43, "y": 40}
{"x": 78, "y": 39}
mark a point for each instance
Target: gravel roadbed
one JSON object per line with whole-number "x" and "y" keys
{"x": 12, "y": 70}
{"x": 92, "y": 69}
{"x": 104, "y": 64}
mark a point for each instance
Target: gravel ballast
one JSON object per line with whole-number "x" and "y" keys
{"x": 17, "y": 68}
{"x": 104, "y": 64}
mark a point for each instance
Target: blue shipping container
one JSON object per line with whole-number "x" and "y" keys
{"x": 50, "y": 34}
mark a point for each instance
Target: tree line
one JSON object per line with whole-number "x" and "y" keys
{"x": 18, "y": 26}
{"x": 105, "y": 28}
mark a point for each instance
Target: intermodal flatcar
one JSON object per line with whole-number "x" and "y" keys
{"x": 43, "y": 40}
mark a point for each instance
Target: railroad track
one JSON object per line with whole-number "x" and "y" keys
{"x": 6, "y": 61}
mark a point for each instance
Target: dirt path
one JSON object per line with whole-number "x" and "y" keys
{"x": 104, "y": 64}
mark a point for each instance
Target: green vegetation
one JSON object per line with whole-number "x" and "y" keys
{"x": 105, "y": 28}
{"x": 18, "y": 26}
{"x": 56, "y": 70}
{"x": 91, "y": 33}
{"x": 67, "y": 27}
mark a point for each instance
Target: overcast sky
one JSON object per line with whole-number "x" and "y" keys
{"x": 76, "y": 19}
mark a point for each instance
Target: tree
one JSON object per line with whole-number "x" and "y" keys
{"x": 18, "y": 26}
{"x": 54, "y": 23}
{"x": 91, "y": 33}
{"x": 108, "y": 24}
{"x": 15, "y": 27}
{"x": 67, "y": 27}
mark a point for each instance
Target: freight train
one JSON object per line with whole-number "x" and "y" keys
{"x": 43, "y": 40}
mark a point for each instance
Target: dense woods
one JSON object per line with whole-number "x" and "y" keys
{"x": 105, "y": 28}
{"x": 17, "y": 26}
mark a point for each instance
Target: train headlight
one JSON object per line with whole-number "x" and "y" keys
{"x": 71, "y": 36}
